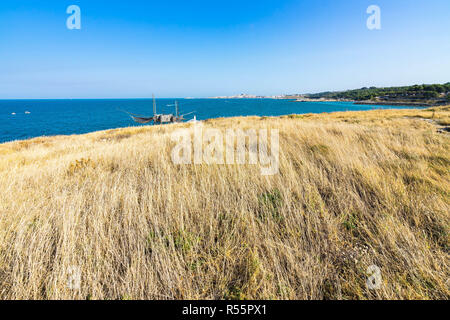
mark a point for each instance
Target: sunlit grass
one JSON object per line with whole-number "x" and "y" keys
{"x": 354, "y": 189}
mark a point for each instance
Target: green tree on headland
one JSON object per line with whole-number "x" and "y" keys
{"x": 435, "y": 93}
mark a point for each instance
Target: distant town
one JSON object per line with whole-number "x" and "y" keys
{"x": 249, "y": 96}
{"x": 425, "y": 94}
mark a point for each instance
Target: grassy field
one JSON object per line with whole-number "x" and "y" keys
{"x": 354, "y": 189}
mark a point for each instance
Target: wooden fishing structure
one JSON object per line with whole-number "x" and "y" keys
{"x": 160, "y": 118}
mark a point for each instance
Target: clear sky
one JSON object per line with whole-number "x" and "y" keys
{"x": 196, "y": 48}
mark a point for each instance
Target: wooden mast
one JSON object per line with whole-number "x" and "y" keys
{"x": 154, "y": 105}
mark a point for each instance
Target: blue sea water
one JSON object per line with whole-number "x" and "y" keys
{"x": 34, "y": 118}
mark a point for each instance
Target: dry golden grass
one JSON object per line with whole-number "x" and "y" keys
{"x": 354, "y": 189}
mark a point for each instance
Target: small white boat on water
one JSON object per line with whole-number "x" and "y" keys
{"x": 13, "y": 113}
{"x": 193, "y": 120}
{"x": 27, "y": 112}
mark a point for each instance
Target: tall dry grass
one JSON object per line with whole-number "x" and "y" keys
{"x": 354, "y": 189}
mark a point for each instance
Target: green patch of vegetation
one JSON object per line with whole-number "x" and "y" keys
{"x": 319, "y": 149}
{"x": 350, "y": 221}
{"x": 270, "y": 203}
{"x": 197, "y": 264}
{"x": 151, "y": 237}
{"x": 181, "y": 240}
{"x": 184, "y": 240}
{"x": 234, "y": 293}
{"x": 416, "y": 93}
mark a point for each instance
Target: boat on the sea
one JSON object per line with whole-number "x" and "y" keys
{"x": 194, "y": 120}
{"x": 160, "y": 118}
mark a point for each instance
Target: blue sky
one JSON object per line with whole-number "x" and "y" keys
{"x": 130, "y": 49}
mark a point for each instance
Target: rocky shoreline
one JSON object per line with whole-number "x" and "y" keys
{"x": 380, "y": 103}
{"x": 391, "y": 103}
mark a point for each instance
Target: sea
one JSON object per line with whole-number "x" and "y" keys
{"x": 24, "y": 119}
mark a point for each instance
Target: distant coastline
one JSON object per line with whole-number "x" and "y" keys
{"x": 416, "y": 95}
{"x": 369, "y": 102}
{"x": 400, "y": 103}
{"x": 247, "y": 96}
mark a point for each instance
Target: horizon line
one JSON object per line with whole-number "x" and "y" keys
{"x": 215, "y": 97}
